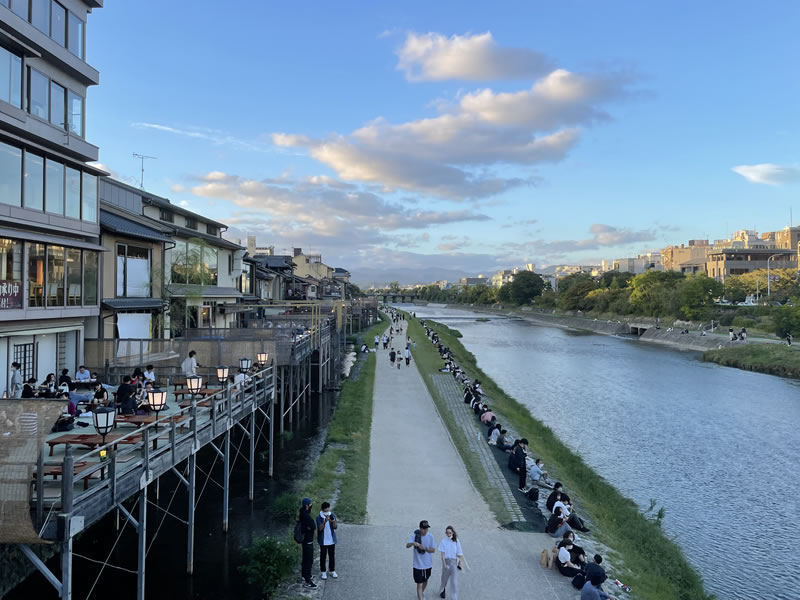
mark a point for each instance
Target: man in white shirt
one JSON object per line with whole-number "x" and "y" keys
{"x": 326, "y": 536}
{"x": 150, "y": 375}
{"x": 537, "y": 473}
{"x": 83, "y": 375}
{"x": 189, "y": 366}
{"x": 424, "y": 546}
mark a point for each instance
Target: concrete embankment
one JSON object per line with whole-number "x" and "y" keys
{"x": 640, "y": 328}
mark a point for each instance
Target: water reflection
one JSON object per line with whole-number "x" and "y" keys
{"x": 717, "y": 447}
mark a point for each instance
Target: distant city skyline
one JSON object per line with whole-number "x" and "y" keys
{"x": 453, "y": 137}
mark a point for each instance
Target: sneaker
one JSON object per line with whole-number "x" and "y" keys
{"x": 324, "y": 575}
{"x": 334, "y": 575}
{"x": 442, "y": 595}
{"x": 309, "y": 584}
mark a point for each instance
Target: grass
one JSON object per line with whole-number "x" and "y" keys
{"x": 775, "y": 359}
{"x": 656, "y": 567}
{"x": 343, "y": 467}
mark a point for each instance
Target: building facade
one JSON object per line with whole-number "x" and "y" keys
{"x": 49, "y": 230}
{"x": 738, "y": 261}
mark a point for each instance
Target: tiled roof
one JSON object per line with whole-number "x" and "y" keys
{"x": 119, "y": 224}
{"x": 132, "y": 303}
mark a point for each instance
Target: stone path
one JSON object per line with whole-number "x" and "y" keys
{"x": 416, "y": 473}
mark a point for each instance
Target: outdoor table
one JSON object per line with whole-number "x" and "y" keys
{"x": 90, "y": 440}
{"x": 139, "y": 420}
{"x": 200, "y": 392}
{"x": 57, "y": 470}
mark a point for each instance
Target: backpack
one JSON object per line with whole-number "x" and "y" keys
{"x": 579, "y": 580}
{"x": 299, "y": 536}
{"x": 533, "y": 494}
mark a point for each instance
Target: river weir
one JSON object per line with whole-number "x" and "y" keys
{"x": 709, "y": 444}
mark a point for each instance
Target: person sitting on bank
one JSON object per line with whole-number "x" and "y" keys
{"x": 491, "y": 436}
{"x": 577, "y": 554}
{"x": 100, "y": 394}
{"x": 593, "y": 569}
{"x": 503, "y": 441}
{"x": 537, "y": 474}
{"x": 558, "y": 488}
{"x": 592, "y": 589}
{"x": 557, "y": 525}
{"x": 573, "y": 519}
{"x": 564, "y": 560}
{"x": 150, "y": 375}
{"x": 83, "y": 375}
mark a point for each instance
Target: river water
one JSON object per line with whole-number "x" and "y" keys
{"x": 718, "y": 447}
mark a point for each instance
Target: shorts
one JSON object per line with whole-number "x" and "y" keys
{"x": 422, "y": 575}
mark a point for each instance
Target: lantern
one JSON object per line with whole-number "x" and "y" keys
{"x": 222, "y": 374}
{"x": 194, "y": 383}
{"x": 104, "y": 420}
{"x": 262, "y": 357}
{"x": 244, "y": 363}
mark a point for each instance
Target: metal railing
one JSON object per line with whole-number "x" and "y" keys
{"x": 128, "y": 462}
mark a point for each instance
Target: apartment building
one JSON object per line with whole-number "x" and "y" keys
{"x": 49, "y": 230}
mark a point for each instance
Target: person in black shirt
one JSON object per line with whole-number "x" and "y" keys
{"x": 517, "y": 462}
{"x": 65, "y": 378}
{"x": 126, "y": 397}
{"x": 309, "y": 527}
{"x": 29, "y": 389}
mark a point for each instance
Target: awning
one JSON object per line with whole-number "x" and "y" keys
{"x": 203, "y": 291}
{"x": 133, "y": 303}
{"x": 46, "y": 238}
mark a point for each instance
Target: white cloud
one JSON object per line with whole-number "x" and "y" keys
{"x": 215, "y": 136}
{"x": 435, "y": 57}
{"x": 602, "y": 236}
{"x": 451, "y": 155}
{"x": 768, "y": 173}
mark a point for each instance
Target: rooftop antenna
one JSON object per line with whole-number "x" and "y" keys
{"x": 142, "y": 157}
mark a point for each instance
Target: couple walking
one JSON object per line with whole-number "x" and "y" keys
{"x": 424, "y": 546}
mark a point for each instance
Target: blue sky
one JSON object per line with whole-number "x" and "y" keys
{"x": 451, "y": 134}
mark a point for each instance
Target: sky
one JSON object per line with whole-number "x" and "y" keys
{"x": 467, "y": 136}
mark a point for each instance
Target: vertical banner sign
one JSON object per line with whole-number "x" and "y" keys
{"x": 10, "y": 294}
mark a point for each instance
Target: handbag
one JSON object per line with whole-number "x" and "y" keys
{"x": 544, "y": 559}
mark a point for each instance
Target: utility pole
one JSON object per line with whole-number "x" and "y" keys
{"x": 142, "y": 157}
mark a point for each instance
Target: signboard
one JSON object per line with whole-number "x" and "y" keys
{"x": 10, "y": 294}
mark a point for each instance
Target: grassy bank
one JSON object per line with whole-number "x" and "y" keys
{"x": 657, "y": 568}
{"x": 774, "y": 359}
{"x": 343, "y": 467}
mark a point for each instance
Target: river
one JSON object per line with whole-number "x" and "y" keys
{"x": 717, "y": 447}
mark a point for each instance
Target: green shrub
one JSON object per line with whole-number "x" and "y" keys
{"x": 766, "y": 324}
{"x": 744, "y": 322}
{"x": 286, "y": 507}
{"x": 270, "y": 561}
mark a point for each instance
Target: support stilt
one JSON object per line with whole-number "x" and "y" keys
{"x": 252, "y": 486}
{"x": 190, "y": 519}
{"x": 142, "y": 548}
{"x": 226, "y": 480}
{"x": 272, "y": 420}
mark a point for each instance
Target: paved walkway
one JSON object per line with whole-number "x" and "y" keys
{"x": 416, "y": 473}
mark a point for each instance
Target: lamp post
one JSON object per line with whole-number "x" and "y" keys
{"x": 157, "y": 399}
{"x": 768, "y": 278}
{"x": 194, "y": 384}
{"x": 104, "y": 420}
{"x": 262, "y": 358}
{"x": 222, "y": 375}
{"x": 245, "y": 363}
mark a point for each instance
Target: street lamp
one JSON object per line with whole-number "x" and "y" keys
{"x": 245, "y": 363}
{"x": 768, "y": 278}
{"x": 195, "y": 384}
{"x": 222, "y": 374}
{"x": 104, "y": 420}
{"x": 262, "y": 358}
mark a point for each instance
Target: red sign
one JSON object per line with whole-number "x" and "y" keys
{"x": 10, "y": 294}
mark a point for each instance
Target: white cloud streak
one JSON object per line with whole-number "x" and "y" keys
{"x": 768, "y": 173}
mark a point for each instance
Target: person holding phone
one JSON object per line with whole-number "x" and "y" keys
{"x": 452, "y": 555}
{"x": 326, "y": 537}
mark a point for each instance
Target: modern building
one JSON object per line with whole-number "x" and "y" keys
{"x": 472, "y": 281}
{"x": 674, "y": 257}
{"x": 49, "y": 230}
{"x": 738, "y": 261}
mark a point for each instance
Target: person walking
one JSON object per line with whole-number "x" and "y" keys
{"x": 16, "y": 380}
{"x": 450, "y": 549}
{"x": 307, "y": 526}
{"x": 392, "y": 356}
{"x": 189, "y": 365}
{"x": 376, "y": 341}
{"x": 326, "y": 537}
{"x": 424, "y": 546}
{"x": 408, "y": 356}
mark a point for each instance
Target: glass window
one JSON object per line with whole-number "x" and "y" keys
{"x": 11, "y": 288}
{"x": 209, "y": 266}
{"x": 165, "y": 215}
{"x": 54, "y": 187}
{"x": 10, "y": 78}
{"x": 89, "y": 278}
{"x": 73, "y": 194}
{"x": 58, "y": 23}
{"x": 20, "y": 7}
{"x": 10, "y": 175}
{"x": 36, "y": 258}
{"x": 191, "y": 223}
{"x": 55, "y": 276}
{"x": 40, "y": 15}
{"x": 194, "y": 264}
{"x": 89, "y": 212}
{"x": 39, "y": 94}
{"x": 75, "y": 113}
{"x": 211, "y": 229}
{"x": 75, "y": 35}
{"x": 74, "y": 294}
{"x": 34, "y": 181}
{"x": 133, "y": 271}
{"x": 57, "y": 107}
{"x": 177, "y": 262}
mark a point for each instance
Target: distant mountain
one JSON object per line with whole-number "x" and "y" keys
{"x": 367, "y": 277}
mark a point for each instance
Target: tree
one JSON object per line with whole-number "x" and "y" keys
{"x": 575, "y": 298}
{"x": 618, "y": 279}
{"x": 654, "y": 293}
{"x": 525, "y": 287}
{"x": 504, "y": 293}
{"x": 394, "y": 287}
{"x": 697, "y": 295}
{"x": 736, "y": 289}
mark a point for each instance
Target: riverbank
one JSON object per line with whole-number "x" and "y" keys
{"x": 774, "y": 359}
{"x": 658, "y": 569}
{"x": 653, "y": 332}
